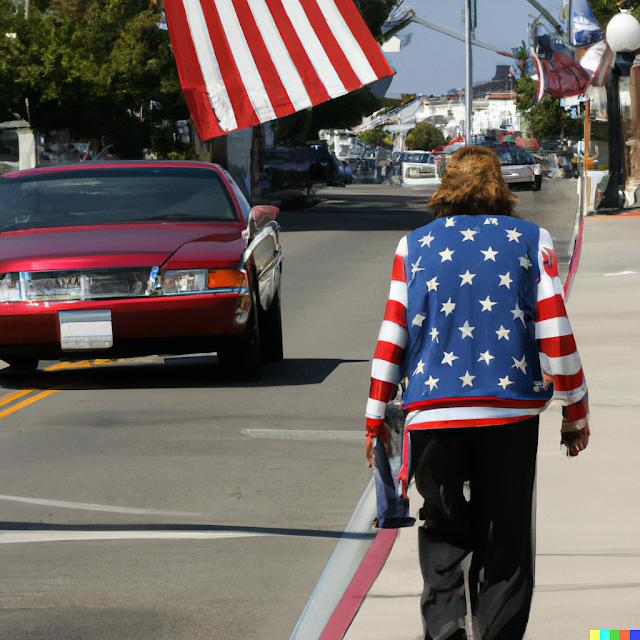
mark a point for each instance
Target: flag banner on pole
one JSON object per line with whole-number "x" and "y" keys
{"x": 244, "y": 62}
{"x": 563, "y": 71}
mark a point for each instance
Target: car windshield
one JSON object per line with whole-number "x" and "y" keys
{"x": 113, "y": 196}
{"x": 514, "y": 154}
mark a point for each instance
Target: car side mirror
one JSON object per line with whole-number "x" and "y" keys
{"x": 260, "y": 217}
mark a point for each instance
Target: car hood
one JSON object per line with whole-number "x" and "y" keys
{"x": 117, "y": 246}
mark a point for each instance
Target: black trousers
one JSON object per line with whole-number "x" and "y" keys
{"x": 495, "y": 525}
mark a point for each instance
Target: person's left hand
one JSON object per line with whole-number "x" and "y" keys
{"x": 576, "y": 441}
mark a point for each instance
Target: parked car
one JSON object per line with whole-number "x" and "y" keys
{"x": 519, "y": 166}
{"x": 127, "y": 259}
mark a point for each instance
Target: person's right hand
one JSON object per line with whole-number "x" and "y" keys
{"x": 576, "y": 441}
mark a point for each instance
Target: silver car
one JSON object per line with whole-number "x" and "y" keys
{"x": 519, "y": 166}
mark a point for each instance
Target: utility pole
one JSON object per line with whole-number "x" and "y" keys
{"x": 469, "y": 19}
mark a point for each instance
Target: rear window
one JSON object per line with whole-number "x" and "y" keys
{"x": 514, "y": 155}
{"x": 112, "y": 196}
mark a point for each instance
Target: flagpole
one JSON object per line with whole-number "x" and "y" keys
{"x": 469, "y": 66}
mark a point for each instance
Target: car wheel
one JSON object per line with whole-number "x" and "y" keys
{"x": 537, "y": 185}
{"x": 23, "y": 364}
{"x": 271, "y": 332}
{"x": 243, "y": 359}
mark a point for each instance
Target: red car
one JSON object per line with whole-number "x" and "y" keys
{"x": 136, "y": 258}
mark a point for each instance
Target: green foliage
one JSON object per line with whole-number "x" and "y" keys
{"x": 604, "y": 10}
{"x": 525, "y": 94}
{"x": 425, "y": 137}
{"x": 376, "y": 136}
{"x": 87, "y": 65}
{"x": 547, "y": 119}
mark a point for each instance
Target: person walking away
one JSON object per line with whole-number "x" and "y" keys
{"x": 476, "y": 333}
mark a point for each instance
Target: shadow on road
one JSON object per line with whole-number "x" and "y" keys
{"x": 195, "y": 372}
{"x": 204, "y": 528}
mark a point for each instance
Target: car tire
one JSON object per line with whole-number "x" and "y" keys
{"x": 537, "y": 184}
{"x": 26, "y": 363}
{"x": 271, "y": 332}
{"x": 242, "y": 359}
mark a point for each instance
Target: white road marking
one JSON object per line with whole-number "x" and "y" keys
{"x": 621, "y": 273}
{"x": 12, "y": 537}
{"x": 304, "y": 434}
{"x": 98, "y": 507}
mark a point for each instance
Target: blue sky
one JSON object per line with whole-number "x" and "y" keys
{"x": 434, "y": 62}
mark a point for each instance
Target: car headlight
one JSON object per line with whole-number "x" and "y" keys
{"x": 184, "y": 281}
{"x": 537, "y": 170}
{"x": 9, "y": 287}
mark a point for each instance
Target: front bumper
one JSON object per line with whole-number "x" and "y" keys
{"x": 141, "y": 326}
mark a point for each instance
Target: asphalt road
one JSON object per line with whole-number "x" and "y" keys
{"x": 146, "y": 500}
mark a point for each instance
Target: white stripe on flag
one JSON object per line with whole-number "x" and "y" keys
{"x": 347, "y": 41}
{"x": 469, "y": 413}
{"x": 280, "y": 55}
{"x": 218, "y": 96}
{"x": 398, "y": 292}
{"x": 312, "y": 45}
{"x": 385, "y": 371}
{"x": 244, "y": 61}
{"x": 393, "y": 333}
{"x": 565, "y": 365}
{"x": 553, "y": 328}
{"x": 375, "y": 409}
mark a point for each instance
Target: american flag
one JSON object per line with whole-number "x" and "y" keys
{"x": 244, "y": 62}
{"x": 475, "y": 316}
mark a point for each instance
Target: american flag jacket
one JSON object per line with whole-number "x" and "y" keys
{"x": 475, "y": 316}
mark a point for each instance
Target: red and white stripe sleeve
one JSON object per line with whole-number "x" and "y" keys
{"x": 558, "y": 352}
{"x": 392, "y": 339}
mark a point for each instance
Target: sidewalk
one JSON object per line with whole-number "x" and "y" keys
{"x": 588, "y": 509}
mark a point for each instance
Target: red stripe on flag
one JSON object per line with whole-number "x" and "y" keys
{"x": 314, "y": 86}
{"x": 330, "y": 45}
{"x": 449, "y": 403}
{"x": 380, "y": 390}
{"x": 396, "y": 312}
{"x": 557, "y": 347}
{"x": 399, "y": 273}
{"x": 193, "y": 86}
{"x": 462, "y": 424}
{"x": 550, "y": 308}
{"x": 270, "y": 77}
{"x": 242, "y": 107}
{"x": 578, "y": 410}
{"x": 389, "y": 352}
{"x": 361, "y": 32}
{"x": 568, "y": 383}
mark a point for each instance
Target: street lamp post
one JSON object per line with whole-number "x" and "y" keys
{"x": 469, "y": 18}
{"x": 623, "y": 37}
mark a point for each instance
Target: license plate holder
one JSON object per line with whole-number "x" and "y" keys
{"x": 85, "y": 330}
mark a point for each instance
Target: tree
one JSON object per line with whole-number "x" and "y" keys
{"x": 89, "y": 65}
{"x": 604, "y": 10}
{"x": 376, "y": 136}
{"x": 547, "y": 119}
{"x": 424, "y": 136}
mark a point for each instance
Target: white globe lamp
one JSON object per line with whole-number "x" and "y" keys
{"x": 623, "y": 33}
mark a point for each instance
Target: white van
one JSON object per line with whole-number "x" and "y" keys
{"x": 418, "y": 168}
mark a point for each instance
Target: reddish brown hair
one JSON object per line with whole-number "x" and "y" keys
{"x": 473, "y": 185}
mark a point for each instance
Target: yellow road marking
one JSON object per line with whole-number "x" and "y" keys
{"x": 27, "y": 402}
{"x": 14, "y": 396}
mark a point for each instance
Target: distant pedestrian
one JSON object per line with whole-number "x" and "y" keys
{"x": 476, "y": 333}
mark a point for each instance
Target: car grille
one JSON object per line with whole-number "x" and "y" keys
{"x": 74, "y": 285}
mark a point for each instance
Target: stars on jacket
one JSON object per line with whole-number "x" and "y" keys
{"x": 469, "y": 323}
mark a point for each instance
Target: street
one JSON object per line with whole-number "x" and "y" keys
{"x": 153, "y": 499}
